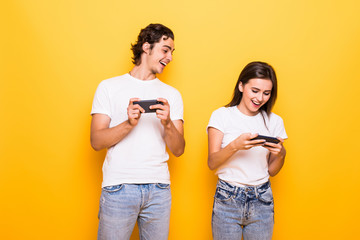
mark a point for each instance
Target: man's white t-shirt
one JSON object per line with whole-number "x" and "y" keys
{"x": 141, "y": 156}
{"x": 245, "y": 167}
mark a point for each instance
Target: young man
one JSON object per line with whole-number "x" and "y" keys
{"x": 136, "y": 180}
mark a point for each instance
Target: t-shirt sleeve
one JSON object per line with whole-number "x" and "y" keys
{"x": 278, "y": 128}
{"x": 101, "y": 103}
{"x": 177, "y": 107}
{"x": 217, "y": 120}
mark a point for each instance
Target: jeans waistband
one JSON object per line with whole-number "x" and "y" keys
{"x": 236, "y": 189}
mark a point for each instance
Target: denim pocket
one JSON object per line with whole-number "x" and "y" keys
{"x": 113, "y": 189}
{"x": 163, "y": 185}
{"x": 266, "y": 197}
{"x": 222, "y": 194}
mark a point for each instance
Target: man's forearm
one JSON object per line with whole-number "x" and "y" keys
{"x": 174, "y": 139}
{"x": 107, "y": 137}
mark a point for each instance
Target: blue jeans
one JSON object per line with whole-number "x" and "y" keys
{"x": 247, "y": 211}
{"x": 122, "y": 205}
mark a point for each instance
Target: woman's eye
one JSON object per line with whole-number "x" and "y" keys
{"x": 267, "y": 94}
{"x": 254, "y": 91}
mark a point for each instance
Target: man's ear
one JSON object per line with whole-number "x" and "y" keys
{"x": 146, "y": 47}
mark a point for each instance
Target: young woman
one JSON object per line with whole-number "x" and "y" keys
{"x": 243, "y": 202}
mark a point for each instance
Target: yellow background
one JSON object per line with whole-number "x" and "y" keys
{"x": 55, "y": 53}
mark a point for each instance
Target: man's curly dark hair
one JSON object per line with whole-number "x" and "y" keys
{"x": 152, "y": 34}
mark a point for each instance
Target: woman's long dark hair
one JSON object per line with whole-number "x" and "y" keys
{"x": 256, "y": 70}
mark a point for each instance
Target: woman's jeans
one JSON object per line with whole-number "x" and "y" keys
{"x": 247, "y": 211}
{"x": 122, "y": 205}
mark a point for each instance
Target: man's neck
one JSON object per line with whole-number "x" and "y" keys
{"x": 142, "y": 73}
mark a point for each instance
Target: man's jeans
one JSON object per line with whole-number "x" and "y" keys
{"x": 122, "y": 205}
{"x": 247, "y": 211}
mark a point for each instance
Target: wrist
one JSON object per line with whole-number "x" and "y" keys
{"x": 167, "y": 124}
{"x": 283, "y": 153}
{"x": 233, "y": 147}
{"x": 130, "y": 124}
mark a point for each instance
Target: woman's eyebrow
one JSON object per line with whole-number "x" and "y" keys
{"x": 255, "y": 88}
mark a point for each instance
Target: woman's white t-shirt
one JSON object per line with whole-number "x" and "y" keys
{"x": 245, "y": 167}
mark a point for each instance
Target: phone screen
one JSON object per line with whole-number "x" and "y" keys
{"x": 145, "y": 104}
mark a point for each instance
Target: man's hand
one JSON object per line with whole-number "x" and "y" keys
{"x": 134, "y": 112}
{"x": 162, "y": 111}
{"x": 173, "y": 130}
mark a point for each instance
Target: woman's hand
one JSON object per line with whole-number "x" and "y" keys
{"x": 218, "y": 156}
{"x": 245, "y": 142}
{"x": 277, "y": 156}
{"x": 276, "y": 149}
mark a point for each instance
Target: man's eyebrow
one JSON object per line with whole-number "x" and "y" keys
{"x": 167, "y": 46}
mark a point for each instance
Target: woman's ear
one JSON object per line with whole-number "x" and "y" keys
{"x": 241, "y": 88}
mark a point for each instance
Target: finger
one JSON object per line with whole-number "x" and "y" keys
{"x": 159, "y": 114}
{"x": 247, "y": 147}
{"x": 163, "y": 100}
{"x": 254, "y": 135}
{"x": 132, "y": 100}
{"x": 141, "y": 109}
{"x": 246, "y": 136}
{"x": 137, "y": 115}
{"x": 137, "y": 107}
{"x": 162, "y": 114}
{"x": 136, "y": 111}
{"x": 257, "y": 142}
{"x": 274, "y": 145}
{"x": 272, "y": 148}
{"x": 158, "y": 106}
{"x": 133, "y": 116}
{"x": 270, "y": 144}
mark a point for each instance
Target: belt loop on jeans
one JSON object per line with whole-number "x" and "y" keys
{"x": 237, "y": 190}
{"x": 256, "y": 191}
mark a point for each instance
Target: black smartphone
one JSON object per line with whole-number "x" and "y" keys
{"x": 267, "y": 139}
{"x": 145, "y": 104}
